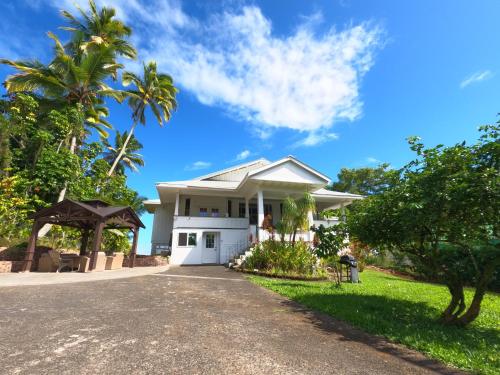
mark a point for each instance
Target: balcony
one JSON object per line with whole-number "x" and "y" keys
{"x": 210, "y": 222}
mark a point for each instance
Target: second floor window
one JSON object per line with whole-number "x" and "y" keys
{"x": 203, "y": 212}
{"x": 215, "y": 212}
{"x": 187, "y": 207}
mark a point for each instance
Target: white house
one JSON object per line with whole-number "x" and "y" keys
{"x": 215, "y": 217}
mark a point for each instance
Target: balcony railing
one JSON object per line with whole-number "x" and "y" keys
{"x": 327, "y": 222}
{"x": 210, "y": 222}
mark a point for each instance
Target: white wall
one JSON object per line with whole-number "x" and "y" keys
{"x": 162, "y": 225}
{"x": 231, "y": 243}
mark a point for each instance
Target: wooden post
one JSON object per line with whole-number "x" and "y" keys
{"x": 30, "y": 250}
{"x": 85, "y": 241}
{"x": 133, "y": 251}
{"x": 96, "y": 244}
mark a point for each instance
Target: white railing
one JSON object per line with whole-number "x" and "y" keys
{"x": 326, "y": 222}
{"x": 210, "y": 222}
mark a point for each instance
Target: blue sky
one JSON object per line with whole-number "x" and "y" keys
{"x": 334, "y": 83}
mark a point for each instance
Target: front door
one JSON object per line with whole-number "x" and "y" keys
{"x": 210, "y": 248}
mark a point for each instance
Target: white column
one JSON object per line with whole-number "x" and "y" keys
{"x": 342, "y": 213}
{"x": 247, "y": 207}
{"x": 310, "y": 218}
{"x": 177, "y": 199}
{"x": 260, "y": 214}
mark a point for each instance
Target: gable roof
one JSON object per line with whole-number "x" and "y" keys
{"x": 235, "y": 173}
{"x": 289, "y": 158}
{"x": 82, "y": 214}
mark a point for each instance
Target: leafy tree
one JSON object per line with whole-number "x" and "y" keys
{"x": 365, "y": 181}
{"x": 153, "y": 90}
{"x": 130, "y": 158}
{"x": 295, "y": 215}
{"x": 328, "y": 242}
{"x": 443, "y": 215}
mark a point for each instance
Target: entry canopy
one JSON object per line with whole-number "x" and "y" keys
{"x": 85, "y": 214}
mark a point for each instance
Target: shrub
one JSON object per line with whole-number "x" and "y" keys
{"x": 283, "y": 258}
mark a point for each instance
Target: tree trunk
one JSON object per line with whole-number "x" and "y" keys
{"x": 293, "y": 237}
{"x": 45, "y": 229}
{"x": 481, "y": 287}
{"x": 122, "y": 151}
{"x": 457, "y": 303}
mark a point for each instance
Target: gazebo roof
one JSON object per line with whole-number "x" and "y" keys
{"x": 85, "y": 214}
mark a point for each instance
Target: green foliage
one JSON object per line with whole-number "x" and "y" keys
{"x": 116, "y": 241}
{"x": 283, "y": 259}
{"x": 329, "y": 241}
{"x": 130, "y": 157}
{"x": 45, "y": 122}
{"x": 443, "y": 215}
{"x": 365, "y": 181}
{"x": 15, "y": 206}
{"x": 405, "y": 312}
{"x": 295, "y": 216}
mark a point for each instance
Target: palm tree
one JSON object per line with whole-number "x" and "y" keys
{"x": 130, "y": 158}
{"x": 296, "y": 214}
{"x": 76, "y": 75}
{"x": 154, "y": 90}
{"x": 98, "y": 27}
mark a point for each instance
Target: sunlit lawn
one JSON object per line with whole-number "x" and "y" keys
{"x": 405, "y": 312}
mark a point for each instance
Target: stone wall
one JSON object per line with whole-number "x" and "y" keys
{"x": 147, "y": 261}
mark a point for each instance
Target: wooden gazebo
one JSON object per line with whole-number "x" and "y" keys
{"x": 89, "y": 215}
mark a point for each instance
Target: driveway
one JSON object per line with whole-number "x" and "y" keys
{"x": 187, "y": 320}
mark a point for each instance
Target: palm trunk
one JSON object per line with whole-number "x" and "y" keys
{"x": 45, "y": 229}
{"x": 122, "y": 151}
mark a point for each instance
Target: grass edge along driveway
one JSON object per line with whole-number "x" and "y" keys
{"x": 405, "y": 312}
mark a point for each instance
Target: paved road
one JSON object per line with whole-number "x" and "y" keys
{"x": 189, "y": 320}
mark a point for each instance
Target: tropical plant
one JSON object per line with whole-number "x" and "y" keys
{"x": 295, "y": 215}
{"x": 154, "y": 90}
{"x": 443, "y": 215}
{"x": 130, "y": 158}
{"x": 283, "y": 259}
{"x": 98, "y": 27}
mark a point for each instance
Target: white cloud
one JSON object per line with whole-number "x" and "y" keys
{"x": 306, "y": 81}
{"x": 476, "y": 77}
{"x": 243, "y": 155}
{"x": 316, "y": 138}
{"x": 197, "y": 165}
{"x": 372, "y": 160}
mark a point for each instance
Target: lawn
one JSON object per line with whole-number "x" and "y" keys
{"x": 405, "y": 312}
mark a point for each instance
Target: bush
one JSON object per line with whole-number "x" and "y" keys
{"x": 284, "y": 259}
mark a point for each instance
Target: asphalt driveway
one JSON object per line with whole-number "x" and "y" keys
{"x": 188, "y": 320}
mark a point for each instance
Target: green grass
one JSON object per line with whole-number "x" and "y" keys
{"x": 405, "y": 312}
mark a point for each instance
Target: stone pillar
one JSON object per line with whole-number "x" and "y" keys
{"x": 260, "y": 214}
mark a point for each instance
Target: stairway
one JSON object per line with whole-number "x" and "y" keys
{"x": 239, "y": 259}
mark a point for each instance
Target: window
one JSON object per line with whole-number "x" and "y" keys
{"x": 187, "y": 207}
{"x": 187, "y": 239}
{"x": 268, "y": 209}
{"x": 241, "y": 210}
{"x": 215, "y": 212}
{"x": 182, "y": 239}
{"x": 203, "y": 212}
{"x": 229, "y": 208}
{"x": 192, "y": 239}
{"x": 210, "y": 241}
{"x": 252, "y": 207}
